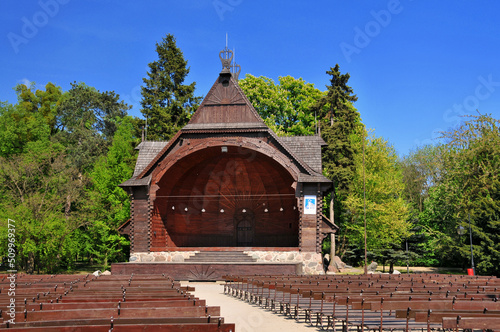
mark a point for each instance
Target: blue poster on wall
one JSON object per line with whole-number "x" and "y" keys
{"x": 309, "y": 204}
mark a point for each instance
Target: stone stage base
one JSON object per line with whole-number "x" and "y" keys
{"x": 206, "y": 271}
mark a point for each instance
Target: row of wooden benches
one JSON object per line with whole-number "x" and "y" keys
{"x": 104, "y": 303}
{"x": 377, "y": 302}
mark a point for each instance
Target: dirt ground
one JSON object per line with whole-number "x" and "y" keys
{"x": 247, "y": 317}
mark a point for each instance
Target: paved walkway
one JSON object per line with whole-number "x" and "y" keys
{"x": 247, "y": 317}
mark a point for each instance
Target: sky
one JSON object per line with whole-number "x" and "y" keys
{"x": 417, "y": 66}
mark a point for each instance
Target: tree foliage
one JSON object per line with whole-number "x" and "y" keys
{"x": 31, "y": 119}
{"x": 380, "y": 177}
{"x": 37, "y": 189}
{"x": 45, "y": 103}
{"x": 339, "y": 123}
{"x": 285, "y": 107}
{"x": 86, "y": 122}
{"x": 469, "y": 186}
{"x": 421, "y": 170}
{"x": 109, "y": 203}
{"x": 167, "y": 103}
{"x": 64, "y": 153}
{"x": 56, "y": 172}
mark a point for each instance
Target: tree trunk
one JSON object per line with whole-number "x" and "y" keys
{"x": 30, "y": 265}
{"x": 67, "y": 208}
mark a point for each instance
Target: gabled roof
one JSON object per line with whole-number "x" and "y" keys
{"x": 307, "y": 148}
{"x": 224, "y": 107}
{"x": 147, "y": 152}
{"x": 227, "y": 109}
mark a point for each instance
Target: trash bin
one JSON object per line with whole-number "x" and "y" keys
{"x": 470, "y": 272}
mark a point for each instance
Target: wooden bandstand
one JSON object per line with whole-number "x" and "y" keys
{"x": 227, "y": 195}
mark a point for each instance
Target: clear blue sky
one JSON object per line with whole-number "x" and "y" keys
{"x": 415, "y": 65}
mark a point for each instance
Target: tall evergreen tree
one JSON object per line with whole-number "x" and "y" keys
{"x": 167, "y": 103}
{"x": 339, "y": 120}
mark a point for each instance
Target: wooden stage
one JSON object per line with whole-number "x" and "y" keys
{"x": 206, "y": 270}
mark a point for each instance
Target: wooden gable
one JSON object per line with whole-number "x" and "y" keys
{"x": 225, "y": 103}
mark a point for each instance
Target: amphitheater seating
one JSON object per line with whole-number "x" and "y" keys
{"x": 377, "y": 302}
{"x": 104, "y": 303}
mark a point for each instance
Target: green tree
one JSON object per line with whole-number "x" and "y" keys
{"x": 285, "y": 107}
{"x": 31, "y": 119}
{"x": 18, "y": 127}
{"x": 469, "y": 185}
{"x": 386, "y": 211}
{"x": 109, "y": 203}
{"x": 339, "y": 122}
{"x": 87, "y": 120}
{"x": 37, "y": 187}
{"x": 61, "y": 159}
{"x": 421, "y": 172}
{"x": 167, "y": 103}
{"x": 43, "y": 102}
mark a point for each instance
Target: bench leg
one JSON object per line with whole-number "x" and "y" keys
{"x": 296, "y": 313}
{"x": 307, "y": 316}
{"x": 344, "y": 326}
{"x": 319, "y": 320}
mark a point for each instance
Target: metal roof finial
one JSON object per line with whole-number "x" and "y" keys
{"x": 235, "y": 68}
{"x": 226, "y": 57}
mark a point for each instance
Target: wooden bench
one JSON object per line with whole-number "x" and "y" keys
{"x": 364, "y": 301}
{"x": 133, "y": 303}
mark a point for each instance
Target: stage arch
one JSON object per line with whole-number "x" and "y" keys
{"x": 225, "y": 196}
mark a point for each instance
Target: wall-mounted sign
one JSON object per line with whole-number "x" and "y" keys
{"x": 309, "y": 204}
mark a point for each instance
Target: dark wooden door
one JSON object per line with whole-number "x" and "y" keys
{"x": 245, "y": 232}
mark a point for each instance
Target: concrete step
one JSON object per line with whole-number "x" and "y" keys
{"x": 221, "y": 257}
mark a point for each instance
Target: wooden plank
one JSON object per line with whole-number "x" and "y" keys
{"x": 482, "y": 323}
{"x": 126, "y": 313}
{"x": 138, "y": 328}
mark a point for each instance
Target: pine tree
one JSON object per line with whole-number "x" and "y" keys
{"x": 167, "y": 102}
{"x": 339, "y": 120}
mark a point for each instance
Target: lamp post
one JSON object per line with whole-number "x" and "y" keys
{"x": 407, "y": 259}
{"x": 364, "y": 202}
{"x": 461, "y": 231}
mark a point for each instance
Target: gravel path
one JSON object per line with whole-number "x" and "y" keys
{"x": 247, "y": 317}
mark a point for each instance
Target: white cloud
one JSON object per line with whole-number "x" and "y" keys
{"x": 25, "y": 81}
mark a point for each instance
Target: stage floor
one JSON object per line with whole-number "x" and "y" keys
{"x": 206, "y": 271}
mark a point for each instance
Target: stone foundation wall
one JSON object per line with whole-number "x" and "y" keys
{"x": 311, "y": 261}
